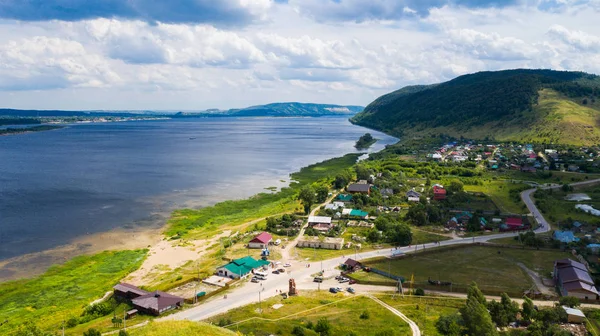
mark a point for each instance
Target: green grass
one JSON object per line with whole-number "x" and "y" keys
{"x": 494, "y": 269}
{"x": 425, "y": 310}
{"x": 191, "y": 222}
{"x": 64, "y": 290}
{"x": 556, "y": 209}
{"x": 500, "y": 193}
{"x": 179, "y": 328}
{"x": 341, "y": 310}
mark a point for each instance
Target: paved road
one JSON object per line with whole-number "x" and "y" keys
{"x": 248, "y": 292}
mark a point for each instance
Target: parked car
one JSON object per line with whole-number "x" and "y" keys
{"x": 342, "y": 280}
{"x": 318, "y": 279}
{"x": 254, "y": 279}
{"x": 275, "y": 272}
{"x": 287, "y": 265}
{"x": 339, "y": 289}
{"x": 281, "y": 270}
{"x": 338, "y": 277}
{"x": 351, "y": 282}
{"x": 350, "y": 290}
{"x": 333, "y": 290}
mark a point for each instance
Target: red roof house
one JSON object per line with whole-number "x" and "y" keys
{"x": 514, "y": 222}
{"x": 439, "y": 193}
{"x": 261, "y": 241}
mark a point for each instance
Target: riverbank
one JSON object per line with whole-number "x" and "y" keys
{"x": 168, "y": 261}
{"x": 14, "y": 131}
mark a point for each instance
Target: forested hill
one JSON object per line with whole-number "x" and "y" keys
{"x": 292, "y": 109}
{"x": 522, "y": 105}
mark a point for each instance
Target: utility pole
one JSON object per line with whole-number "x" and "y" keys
{"x": 124, "y": 319}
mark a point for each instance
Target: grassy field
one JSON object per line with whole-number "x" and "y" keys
{"x": 502, "y": 193}
{"x": 191, "y": 222}
{"x": 557, "y": 209}
{"x": 180, "y": 328}
{"x": 64, "y": 290}
{"x": 341, "y": 310}
{"x": 425, "y": 311}
{"x": 494, "y": 269}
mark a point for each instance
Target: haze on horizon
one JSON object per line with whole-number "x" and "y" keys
{"x": 199, "y": 54}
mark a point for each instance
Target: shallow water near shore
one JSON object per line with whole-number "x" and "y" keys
{"x": 59, "y": 187}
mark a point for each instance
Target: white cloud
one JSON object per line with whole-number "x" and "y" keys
{"x": 576, "y": 39}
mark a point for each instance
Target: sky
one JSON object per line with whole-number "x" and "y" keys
{"x": 200, "y": 54}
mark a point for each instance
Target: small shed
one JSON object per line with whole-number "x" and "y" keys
{"x": 352, "y": 265}
{"x": 574, "y": 315}
{"x": 261, "y": 241}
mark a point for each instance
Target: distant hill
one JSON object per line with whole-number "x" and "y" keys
{"x": 281, "y": 110}
{"x": 269, "y": 110}
{"x": 542, "y": 106}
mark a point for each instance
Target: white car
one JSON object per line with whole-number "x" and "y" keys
{"x": 287, "y": 265}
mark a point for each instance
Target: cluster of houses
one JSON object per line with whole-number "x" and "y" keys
{"x": 439, "y": 194}
{"x": 515, "y": 157}
{"x": 460, "y": 220}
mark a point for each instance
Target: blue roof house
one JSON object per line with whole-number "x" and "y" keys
{"x": 565, "y": 236}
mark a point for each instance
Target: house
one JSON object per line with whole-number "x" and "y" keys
{"x": 439, "y": 193}
{"x": 593, "y": 247}
{"x": 528, "y": 169}
{"x": 386, "y": 192}
{"x": 573, "y": 168}
{"x": 413, "y": 196}
{"x": 514, "y": 166}
{"x": 565, "y": 236}
{"x": 261, "y": 241}
{"x": 344, "y": 197}
{"x": 153, "y": 303}
{"x": 352, "y": 265}
{"x": 321, "y": 242}
{"x": 157, "y": 302}
{"x": 464, "y": 217}
{"x": 359, "y": 188}
{"x": 452, "y": 223}
{"x": 576, "y": 226}
{"x": 334, "y": 206}
{"x": 127, "y": 292}
{"x": 314, "y": 220}
{"x": 573, "y": 279}
{"x": 436, "y": 156}
{"x": 322, "y": 227}
{"x": 514, "y": 222}
{"x": 574, "y": 315}
{"x": 240, "y": 268}
{"x": 358, "y": 213}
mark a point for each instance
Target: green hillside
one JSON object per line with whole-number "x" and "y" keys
{"x": 180, "y": 328}
{"x": 520, "y": 105}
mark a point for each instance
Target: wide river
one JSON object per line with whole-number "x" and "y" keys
{"x": 88, "y": 178}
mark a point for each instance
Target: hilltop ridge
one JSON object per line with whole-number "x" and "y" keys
{"x": 543, "y": 106}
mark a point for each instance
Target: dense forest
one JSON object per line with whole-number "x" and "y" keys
{"x": 475, "y": 99}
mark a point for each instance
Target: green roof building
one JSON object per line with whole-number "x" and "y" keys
{"x": 239, "y": 268}
{"x": 359, "y": 213}
{"x": 344, "y": 197}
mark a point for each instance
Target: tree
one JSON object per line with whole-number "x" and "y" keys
{"x": 473, "y": 291}
{"x": 569, "y": 301}
{"x": 307, "y": 197}
{"x": 528, "y": 309}
{"x": 373, "y": 236}
{"x": 566, "y": 188}
{"x": 400, "y": 234}
{"x": 322, "y": 193}
{"x": 362, "y": 172}
{"x": 449, "y": 325}
{"x": 92, "y": 332}
{"x": 477, "y": 318}
{"x": 383, "y": 223}
{"x": 455, "y": 186}
{"x": 323, "y": 327}
{"x": 298, "y": 331}
{"x": 474, "y": 224}
{"x": 510, "y": 308}
{"x": 342, "y": 179}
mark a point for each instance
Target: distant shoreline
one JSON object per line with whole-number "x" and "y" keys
{"x": 41, "y": 128}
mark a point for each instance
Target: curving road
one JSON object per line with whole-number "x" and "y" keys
{"x": 248, "y": 292}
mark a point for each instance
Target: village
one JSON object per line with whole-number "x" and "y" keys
{"x": 407, "y": 226}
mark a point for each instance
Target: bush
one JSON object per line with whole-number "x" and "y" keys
{"x": 92, "y": 332}
{"x": 310, "y": 325}
{"x": 72, "y": 322}
{"x": 365, "y": 315}
{"x": 323, "y": 327}
{"x": 298, "y": 331}
{"x": 123, "y": 333}
{"x": 419, "y": 292}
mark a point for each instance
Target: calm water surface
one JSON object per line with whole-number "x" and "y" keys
{"x": 87, "y": 178}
